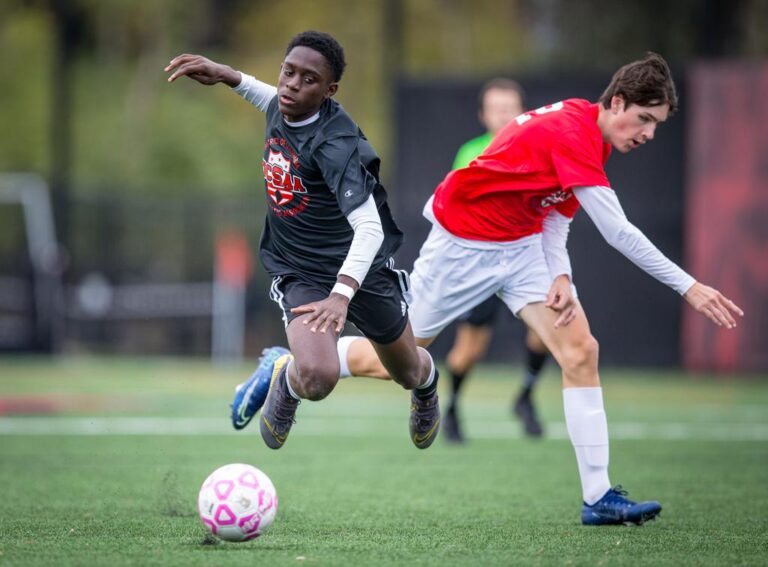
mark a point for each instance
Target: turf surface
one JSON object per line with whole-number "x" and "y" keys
{"x": 91, "y": 478}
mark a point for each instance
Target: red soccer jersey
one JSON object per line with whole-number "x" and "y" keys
{"x": 533, "y": 164}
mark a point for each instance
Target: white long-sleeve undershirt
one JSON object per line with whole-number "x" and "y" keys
{"x": 364, "y": 220}
{"x": 553, "y": 240}
{"x": 254, "y": 91}
{"x": 366, "y": 223}
{"x": 603, "y": 207}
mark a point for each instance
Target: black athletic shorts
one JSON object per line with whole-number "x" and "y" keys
{"x": 484, "y": 315}
{"x": 378, "y": 309}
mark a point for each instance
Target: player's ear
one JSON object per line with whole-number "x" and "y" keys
{"x": 617, "y": 103}
{"x": 332, "y": 88}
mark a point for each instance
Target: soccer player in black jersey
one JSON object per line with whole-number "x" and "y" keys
{"x": 327, "y": 241}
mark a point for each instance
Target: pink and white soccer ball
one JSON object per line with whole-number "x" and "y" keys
{"x": 237, "y": 502}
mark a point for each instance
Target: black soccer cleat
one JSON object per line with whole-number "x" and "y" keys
{"x": 279, "y": 410}
{"x": 451, "y": 428}
{"x": 526, "y": 413}
{"x": 425, "y": 420}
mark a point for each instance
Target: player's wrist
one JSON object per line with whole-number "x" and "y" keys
{"x": 343, "y": 289}
{"x": 231, "y": 77}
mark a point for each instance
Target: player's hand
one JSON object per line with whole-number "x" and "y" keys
{"x": 560, "y": 298}
{"x": 330, "y": 313}
{"x": 202, "y": 70}
{"x": 718, "y": 308}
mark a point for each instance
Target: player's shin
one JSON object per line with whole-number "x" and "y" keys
{"x": 588, "y": 430}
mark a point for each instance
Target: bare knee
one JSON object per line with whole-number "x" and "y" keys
{"x": 409, "y": 378}
{"x": 418, "y": 372}
{"x": 315, "y": 380}
{"x": 579, "y": 359}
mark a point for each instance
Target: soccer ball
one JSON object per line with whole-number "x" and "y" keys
{"x": 237, "y": 502}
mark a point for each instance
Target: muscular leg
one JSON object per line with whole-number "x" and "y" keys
{"x": 400, "y": 360}
{"x": 576, "y": 350}
{"x": 363, "y": 360}
{"x": 573, "y": 346}
{"x": 314, "y": 372}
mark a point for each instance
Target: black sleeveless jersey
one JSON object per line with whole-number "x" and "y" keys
{"x": 314, "y": 175}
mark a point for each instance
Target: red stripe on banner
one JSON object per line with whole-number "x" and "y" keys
{"x": 726, "y": 226}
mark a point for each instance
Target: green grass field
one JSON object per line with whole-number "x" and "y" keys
{"x": 101, "y": 461}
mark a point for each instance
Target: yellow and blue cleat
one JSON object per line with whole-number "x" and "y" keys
{"x": 251, "y": 394}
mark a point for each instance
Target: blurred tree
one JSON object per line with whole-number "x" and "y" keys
{"x": 129, "y": 131}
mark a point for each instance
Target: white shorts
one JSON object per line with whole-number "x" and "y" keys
{"x": 452, "y": 275}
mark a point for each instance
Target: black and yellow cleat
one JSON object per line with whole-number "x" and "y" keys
{"x": 277, "y": 416}
{"x": 425, "y": 420}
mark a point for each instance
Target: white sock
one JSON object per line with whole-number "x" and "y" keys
{"x": 431, "y": 377}
{"x": 342, "y": 347}
{"x": 291, "y": 391}
{"x": 588, "y": 430}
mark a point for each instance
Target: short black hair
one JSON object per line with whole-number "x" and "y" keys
{"x": 326, "y": 46}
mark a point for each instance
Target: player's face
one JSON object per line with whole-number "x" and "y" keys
{"x": 305, "y": 82}
{"x": 500, "y": 107}
{"x": 630, "y": 128}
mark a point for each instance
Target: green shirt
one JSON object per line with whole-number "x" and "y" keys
{"x": 471, "y": 149}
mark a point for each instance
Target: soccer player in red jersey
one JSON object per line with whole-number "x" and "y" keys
{"x": 500, "y": 227}
{"x": 501, "y": 101}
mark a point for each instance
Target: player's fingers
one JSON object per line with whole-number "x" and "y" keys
{"x": 732, "y": 307}
{"x": 566, "y": 316}
{"x": 551, "y": 298}
{"x": 302, "y": 309}
{"x": 328, "y": 321}
{"x": 320, "y": 322}
{"x": 725, "y": 316}
{"x": 189, "y": 68}
{"x": 178, "y": 60}
{"x": 709, "y": 312}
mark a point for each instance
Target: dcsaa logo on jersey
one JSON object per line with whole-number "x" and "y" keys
{"x": 281, "y": 185}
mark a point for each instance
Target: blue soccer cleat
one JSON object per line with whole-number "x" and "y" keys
{"x": 251, "y": 394}
{"x": 613, "y": 508}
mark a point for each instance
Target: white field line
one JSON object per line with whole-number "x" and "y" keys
{"x": 359, "y": 427}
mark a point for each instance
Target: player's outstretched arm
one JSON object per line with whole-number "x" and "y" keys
{"x": 713, "y": 304}
{"x": 202, "y": 70}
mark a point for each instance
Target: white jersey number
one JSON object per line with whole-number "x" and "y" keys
{"x": 523, "y": 118}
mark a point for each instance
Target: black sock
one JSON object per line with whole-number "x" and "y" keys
{"x": 429, "y": 391}
{"x": 535, "y": 361}
{"x": 457, "y": 379}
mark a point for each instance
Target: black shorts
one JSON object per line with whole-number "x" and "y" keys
{"x": 484, "y": 315}
{"x": 378, "y": 308}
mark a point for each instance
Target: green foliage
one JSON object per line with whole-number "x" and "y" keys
{"x": 24, "y": 96}
{"x": 133, "y": 132}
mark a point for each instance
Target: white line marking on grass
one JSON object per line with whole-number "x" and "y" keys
{"x": 355, "y": 427}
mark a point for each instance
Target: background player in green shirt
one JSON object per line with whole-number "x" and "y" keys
{"x": 500, "y": 101}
